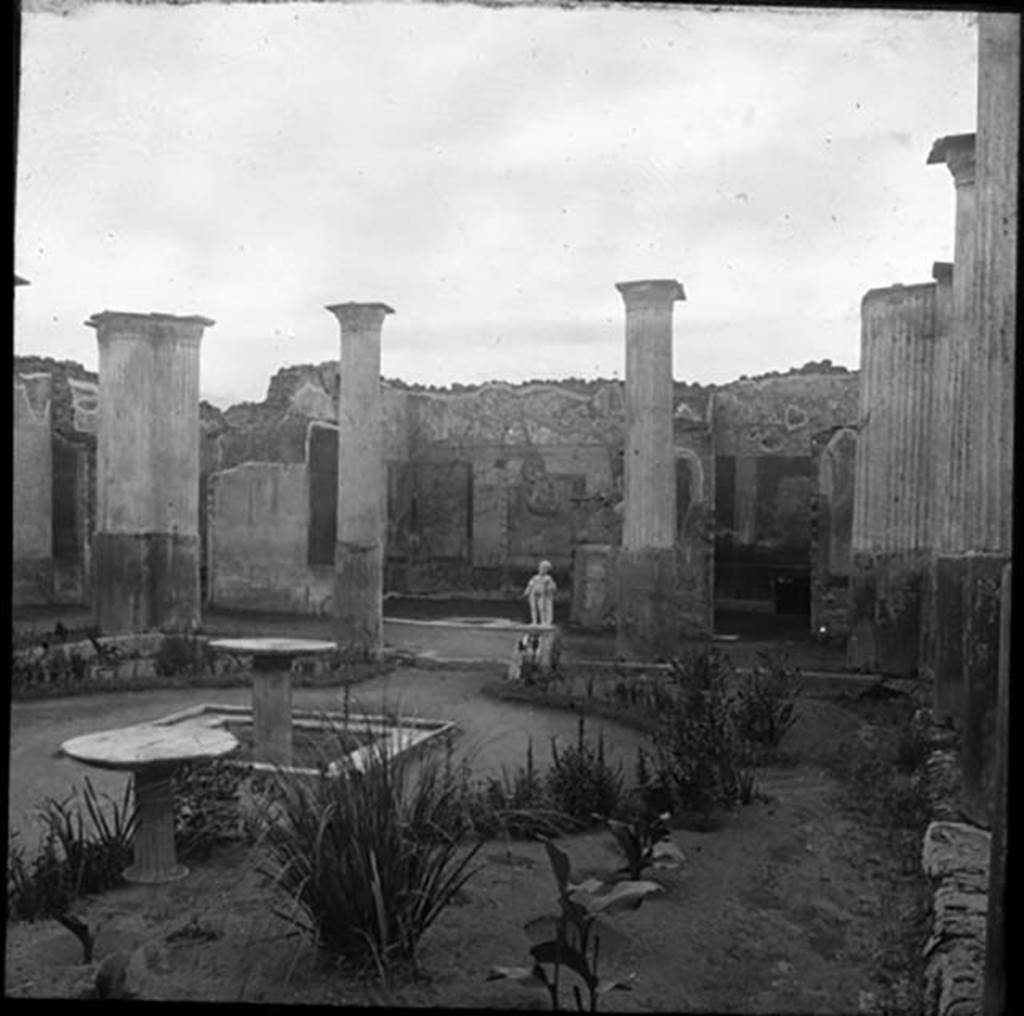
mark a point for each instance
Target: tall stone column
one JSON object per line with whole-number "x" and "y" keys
{"x": 893, "y": 477}
{"x": 989, "y": 398}
{"x": 951, "y": 436}
{"x": 358, "y": 559}
{"x": 146, "y": 553}
{"x": 938, "y": 443}
{"x": 648, "y": 615}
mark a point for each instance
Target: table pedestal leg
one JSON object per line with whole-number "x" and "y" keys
{"x": 155, "y": 859}
{"x": 272, "y": 717}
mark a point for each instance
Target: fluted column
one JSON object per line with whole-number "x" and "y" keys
{"x": 648, "y": 622}
{"x": 358, "y": 561}
{"x": 146, "y": 551}
{"x": 988, "y": 517}
{"x": 957, "y": 152}
{"x": 893, "y": 477}
{"x": 951, "y": 434}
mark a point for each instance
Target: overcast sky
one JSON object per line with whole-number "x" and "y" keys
{"x": 490, "y": 173}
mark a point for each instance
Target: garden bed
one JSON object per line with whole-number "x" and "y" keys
{"x": 796, "y": 902}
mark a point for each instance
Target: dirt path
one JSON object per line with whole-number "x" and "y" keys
{"x": 786, "y": 907}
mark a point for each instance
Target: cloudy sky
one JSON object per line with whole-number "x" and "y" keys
{"x": 488, "y": 172}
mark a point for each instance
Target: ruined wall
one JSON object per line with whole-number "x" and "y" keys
{"x": 483, "y": 482}
{"x": 833, "y": 461}
{"x": 504, "y": 477}
{"x": 258, "y": 530}
{"x": 32, "y": 529}
{"x": 72, "y": 455}
{"x": 695, "y": 513}
{"x": 767, "y": 465}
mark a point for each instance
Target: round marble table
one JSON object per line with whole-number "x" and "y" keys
{"x": 150, "y": 753}
{"x": 272, "y": 660}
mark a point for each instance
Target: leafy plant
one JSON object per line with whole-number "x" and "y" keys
{"x": 766, "y": 700}
{"x": 182, "y": 654}
{"x": 369, "y": 857}
{"x": 566, "y": 947}
{"x": 697, "y": 747}
{"x": 517, "y": 804}
{"x": 206, "y": 805}
{"x": 75, "y": 858}
{"x": 645, "y": 842}
{"x": 580, "y": 781}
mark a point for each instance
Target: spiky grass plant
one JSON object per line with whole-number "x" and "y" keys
{"x": 368, "y": 856}
{"x": 580, "y": 781}
{"x": 79, "y": 854}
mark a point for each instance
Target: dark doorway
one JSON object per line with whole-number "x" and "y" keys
{"x": 792, "y": 594}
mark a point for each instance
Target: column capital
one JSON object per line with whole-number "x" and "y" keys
{"x": 650, "y": 292}
{"x": 957, "y": 152}
{"x": 154, "y": 327}
{"x": 360, "y": 316}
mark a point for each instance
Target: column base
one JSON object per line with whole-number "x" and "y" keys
{"x": 358, "y": 599}
{"x": 947, "y": 624}
{"x": 981, "y": 634}
{"x": 146, "y": 581}
{"x": 648, "y": 612}
{"x": 885, "y": 604}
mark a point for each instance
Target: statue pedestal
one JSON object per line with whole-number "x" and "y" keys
{"x": 537, "y": 651}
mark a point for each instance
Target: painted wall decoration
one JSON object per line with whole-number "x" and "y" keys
{"x": 485, "y": 481}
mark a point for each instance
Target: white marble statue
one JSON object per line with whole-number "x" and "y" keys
{"x": 540, "y": 591}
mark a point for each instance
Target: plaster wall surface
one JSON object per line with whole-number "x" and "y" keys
{"x": 147, "y": 544}
{"x": 767, "y": 452}
{"x": 832, "y": 531}
{"x": 258, "y": 541}
{"x": 32, "y": 488}
{"x": 148, "y": 432}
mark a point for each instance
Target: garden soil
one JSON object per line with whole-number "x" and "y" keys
{"x": 790, "y": 904}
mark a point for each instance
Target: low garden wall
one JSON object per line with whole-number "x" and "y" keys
{"x": 154, "y": 660}
{"x": 955, "y": 858}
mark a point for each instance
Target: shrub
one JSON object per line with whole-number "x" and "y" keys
{"x": 49, "y": 672}
{"x": 182, "y": 654}
{"x": 697, "y": 748}
{"x": 516, "y": 805}
{"x": 206, "y": 806}
{"x": 369, "y": 857}
{"x": 580, "y": 782}
{"x": 766, "y": 700}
